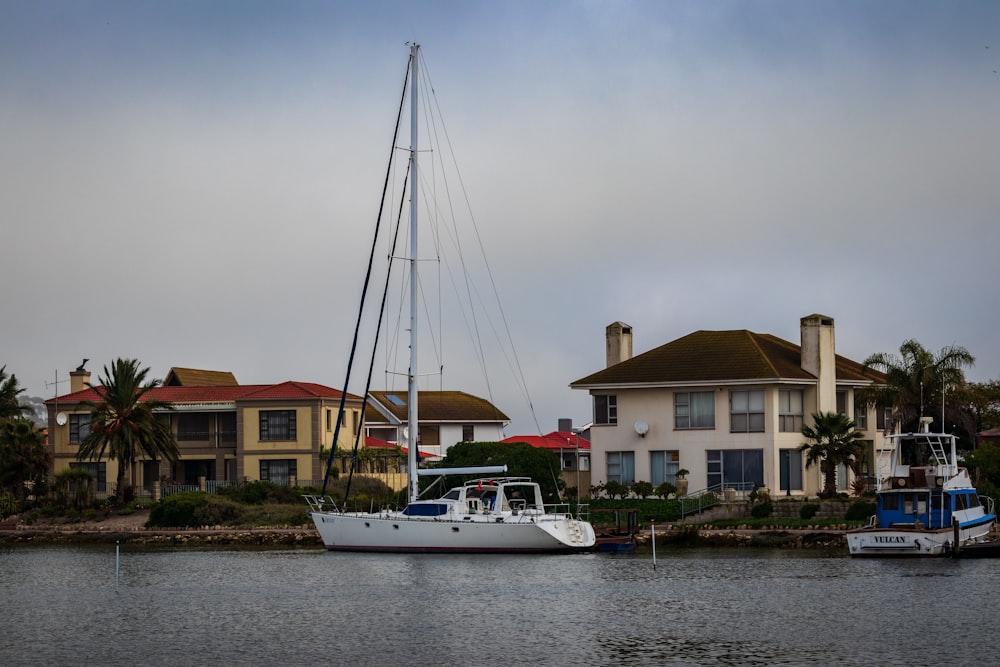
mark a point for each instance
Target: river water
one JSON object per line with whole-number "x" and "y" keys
{"x": 191, "y": 606}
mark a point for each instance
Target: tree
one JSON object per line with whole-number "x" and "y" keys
{"x": 832, "y": 441}
{"x": 9, "y": 391}
{"x": 521, "y": 459}
{"x": 917, "y": 382}
{"x": 123, "y": 423}
{"x": 23, "y": 454}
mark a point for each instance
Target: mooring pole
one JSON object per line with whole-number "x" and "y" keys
{"x": 652, "y": 535}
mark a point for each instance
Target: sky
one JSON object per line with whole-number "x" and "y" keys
{"x": 194, "y": 183}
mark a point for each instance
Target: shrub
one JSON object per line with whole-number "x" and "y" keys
{"x": 761, "y": 510}
{"x": 642, "y": 489}
{"x": 808, "y": 511}
{"x": 664, "y": 490}
{"x": 258, "y": 492}
{"x": 181, "y": 510}
{"x": 860, "y": 510}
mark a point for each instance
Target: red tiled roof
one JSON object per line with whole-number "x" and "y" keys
{"x": 720, "y": 356}
{"x": 221, "y": 394}
{"x": 554, "y": 440}
{"x": 377, "y": 443}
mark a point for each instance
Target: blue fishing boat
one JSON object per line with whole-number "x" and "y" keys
{"x": 927, "y": 505}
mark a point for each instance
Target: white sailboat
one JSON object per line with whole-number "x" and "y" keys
{"x": 493, "y": 513}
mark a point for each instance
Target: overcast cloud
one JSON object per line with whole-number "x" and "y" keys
{"x": 193, "y": 183}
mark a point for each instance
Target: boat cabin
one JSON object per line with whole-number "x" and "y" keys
{"x": 930, "y": 508}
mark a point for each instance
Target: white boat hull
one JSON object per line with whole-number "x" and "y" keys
{"x": 910, "y": 542}
{"x": 391, "y": 531}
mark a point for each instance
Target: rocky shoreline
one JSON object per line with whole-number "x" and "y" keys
{"x": 132, "y": 530}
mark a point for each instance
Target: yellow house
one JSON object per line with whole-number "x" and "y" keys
{"x": 225, "y": 431}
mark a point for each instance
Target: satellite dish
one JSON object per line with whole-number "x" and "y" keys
{"x": 642, "y": 428}
{"x": 61, "y": 418}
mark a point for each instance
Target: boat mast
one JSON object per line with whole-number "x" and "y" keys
{"x": 412, "y": 423}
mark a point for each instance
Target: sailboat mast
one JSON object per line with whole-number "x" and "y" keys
{"x": 412, "y": 422}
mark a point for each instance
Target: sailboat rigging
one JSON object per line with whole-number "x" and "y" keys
{"x": 492, "y": 513}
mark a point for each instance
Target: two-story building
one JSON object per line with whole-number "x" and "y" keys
{"x": 446, "y": 418}
{"x": 728, "y": 406}
{"x": 224, "y": 430}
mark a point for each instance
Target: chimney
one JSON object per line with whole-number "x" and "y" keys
{"x": 819, "y": 358}
{"x": 79, "y": 378}
{"x": 565, "y": 425}
{"x": 619, "y": 343}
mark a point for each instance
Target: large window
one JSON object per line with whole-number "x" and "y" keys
{"x": 790, "y": 410}
{"x": 663, "y": 467}
{"x": 79, "y": 428}
{"x": 277, "y": 470}
{"x": 621, "y": 467}
{"x": 605, "y": 409}
{"x": 790, "y": 461}
{"x": 694, "y": 409}
{"x": 277, "y": 424}
{"x": 742, "y": 469}
{"x": 746, "y": 411}
{"x": 192, "y": 426}
{"x": 98, "y": 470}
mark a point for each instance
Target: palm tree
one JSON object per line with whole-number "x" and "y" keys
{"x": 23, "y": 454}
{"x": 833, "y": 441}
{"x": 916, "y": 381}
{"x": 9, "y": 391}
{"x": 123, "y": 424}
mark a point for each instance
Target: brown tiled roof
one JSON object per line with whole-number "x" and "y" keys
{"x": 719, "y": 356}
{"x": 194, "y": 377}
{"x": 437, "y": 406}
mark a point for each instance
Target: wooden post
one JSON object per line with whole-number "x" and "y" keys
{"x": 955, "y": 547}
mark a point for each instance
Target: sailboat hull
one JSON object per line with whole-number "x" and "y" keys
{"x": 393, "y": 532}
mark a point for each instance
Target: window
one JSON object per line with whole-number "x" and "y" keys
{"x": 890, "y": 501}
{"x": 98, "y": 470}
{"x": 746, "y": 411}
{"x": 468, "y": 433}
{"x": 742, "y": 469}
{"x": 663, "y": 467}
{"x": 621, "y": 467}
{"x": 79, "y": 428}
{"x": 192, "y": 426}
{"x": 227, "y": 426}
{"x": 861, "y": 416}
{"x": 277, "y": 470}
{"x": 277, "y": 424}
{"x": 790, "y": 411}
{"x": 842, "y": 402}
{"x": 790, "y": 461}
{"x": 694, "y": 409}
{"x": 883, "y": 417}
{"x": 605, "y": 409}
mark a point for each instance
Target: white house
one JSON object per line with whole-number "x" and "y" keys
{"x": 728, "y": 406}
